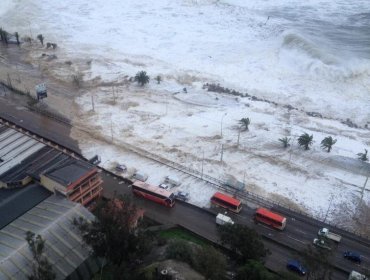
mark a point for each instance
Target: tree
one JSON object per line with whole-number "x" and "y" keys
{"x": 158, "y": 79}
{"x": 363, "y": 156}
{"x": 41, "y": 268}
{"x": 4, "y": 36}
{"x": 317, "y": 263}
{"x": 285, "y": 141}
{"x": 211, "y": 263}
{"x": 254, "y": 270}
{"x": 17, "y": 37}
{"x": 328, "y": 142}
{"x": 245, "y": 243}
{"x": 305, "y": 141}
{"x": 116, "y": 233}
{"x": 142, "y": 78}
{"x": 180, "y": 250}
{"x": 41, "y": 39}
{"x": 245, "y": 122}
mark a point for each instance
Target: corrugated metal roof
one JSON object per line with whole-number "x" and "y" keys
{"x": 15, "y": 202}
{"x": 52, "y": 219}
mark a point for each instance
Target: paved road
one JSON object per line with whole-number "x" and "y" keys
{"x": 299, "y": 231}
{"x": 202, "y": 222}
{"x": 38, "y": 124}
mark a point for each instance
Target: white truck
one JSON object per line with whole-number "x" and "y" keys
{"x": 357, "y": 276}
{"x": 324, "y": 232}
{"x": 222, "y": 219}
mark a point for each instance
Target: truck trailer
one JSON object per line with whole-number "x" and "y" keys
{"x": 324, "y": 232}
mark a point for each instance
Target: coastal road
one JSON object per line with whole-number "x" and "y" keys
{"x": 299, "y": 232}
{"x": 203, "y": 223}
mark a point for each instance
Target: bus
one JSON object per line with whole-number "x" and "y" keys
{"x": 269, "y": 218}
{"x": 153, "y": 193}
{"x": 226, "y": 201}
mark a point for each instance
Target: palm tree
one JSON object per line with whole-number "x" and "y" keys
{"x": 142, "y": 78}
{"x": 305, "y": 141}
{"x": 245, "y": 122}
{"x": 328, "y": 142}
{"x": 363, "y": 156}
{"x": 41, "y": 38}
{"x": 4, "y": 36}
{"x": 158, "y": 79}
{"x": 17, "y": 37}
{"x": 285, "y": 141}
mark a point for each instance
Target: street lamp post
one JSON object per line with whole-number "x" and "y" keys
{"x": 222, "y": 119}
{"x": 202, "y": 164}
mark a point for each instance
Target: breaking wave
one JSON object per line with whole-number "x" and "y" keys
{"x": 315, "y": 60}
{"x": 294, "y": 41}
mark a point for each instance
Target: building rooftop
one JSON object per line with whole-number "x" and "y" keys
{"x": 15, "y": 202}
{"x": 64, "y": 248}
{"x": 70, "y": 171}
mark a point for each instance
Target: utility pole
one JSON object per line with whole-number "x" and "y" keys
{"x": 222, "y": 152}
{"x": 202, "y": 164}
{"x": 363, "y": 188}
{"x": 238, "y": 136}
{"x": 327, "y": 211}
{"x": 111, "y": 127}
{"x": 244, "y": 179}
{"x": 92, "y": 102}
{"x": 222, "y": 121}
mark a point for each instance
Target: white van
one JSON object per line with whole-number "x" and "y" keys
{"x": 172, "y": 180}
{"x": 223, "y": 220}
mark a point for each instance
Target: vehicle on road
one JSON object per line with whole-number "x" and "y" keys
{"x": 222, "y": 219}
{"x": 121, "y": 168}
{"x": 269, "y": 218}
{"x": 354, "y": 275}
{"x": 172, "y": 180}
{"x": 184, "y": 196}
{"x": 352, "y": 256}
{"x": 140, "y": 176}
{"x": 153, "y": 193}
{"x": 321, "y": 244}
{"x": 324, "y": 232}
{"x": 296, "y": 266}
{"x": 164, "y": 186}
{"x": 226, "y": 201}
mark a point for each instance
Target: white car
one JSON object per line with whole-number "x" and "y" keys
{"x": 164, "y": 186}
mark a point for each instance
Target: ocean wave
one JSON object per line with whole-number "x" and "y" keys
{"x": 297, "y": 42}
{"x": 310, "y": 58}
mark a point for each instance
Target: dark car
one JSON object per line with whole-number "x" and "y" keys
{"x": 184, "y": 196}
{"x": 353, "y": 256}
{"x": 121, "y": 168}
{"x": 296, "y": 266}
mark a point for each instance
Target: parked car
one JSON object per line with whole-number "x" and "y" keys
{"x": 140, "y": 176}
{"x": 296, "y": 266}
{"x": 352, "y": 256}
{"x": 164, "y": 186}
{"x": 172, "y": 180}
{"x": 121, "y": 168}
{"x": 184, "y": 196}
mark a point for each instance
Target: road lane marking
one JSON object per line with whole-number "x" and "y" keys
{"x": 301, "y": 231}
{"x": 296, "y": 239}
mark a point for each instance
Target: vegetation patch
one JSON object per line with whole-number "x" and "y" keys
{"x": 182, "y": 234}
